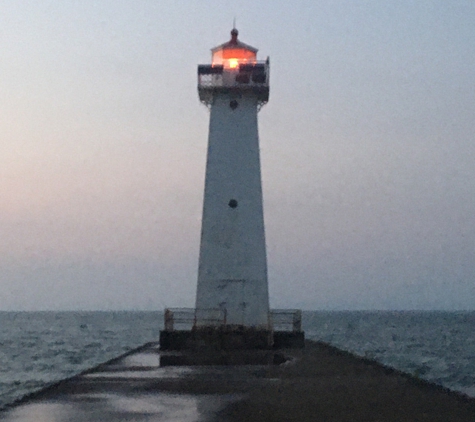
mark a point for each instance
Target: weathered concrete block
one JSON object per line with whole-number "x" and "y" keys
{"x": 230, "y": 338}
{"x": 289, "y": 340}
{"x": 175, "y": 340}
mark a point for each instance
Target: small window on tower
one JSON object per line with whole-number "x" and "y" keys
{"x": 233, "y": 203}
{"x": 233, "y": 104}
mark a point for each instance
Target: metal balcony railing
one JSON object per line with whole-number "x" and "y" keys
{"x": 253, "y": 77}
{"x": 255, "y": 74}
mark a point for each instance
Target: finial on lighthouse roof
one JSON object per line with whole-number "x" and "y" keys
{"x": 234, "y": 35}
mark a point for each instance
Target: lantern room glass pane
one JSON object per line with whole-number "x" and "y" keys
{"x": 232, "y": 57}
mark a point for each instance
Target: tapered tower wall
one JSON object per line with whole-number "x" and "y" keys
{"x": 232, "y": 272}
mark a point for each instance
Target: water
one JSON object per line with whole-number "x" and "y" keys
{"x": 436, "y": 346}
{"x": 40, "y": 347}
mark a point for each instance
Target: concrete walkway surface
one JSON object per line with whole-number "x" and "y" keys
{"x": 135, "y": 388}
{"x": 318, "y": 383}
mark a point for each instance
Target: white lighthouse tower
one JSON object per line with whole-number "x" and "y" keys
{"x": 232, "y": 275}
{"x": 232, "y": 298}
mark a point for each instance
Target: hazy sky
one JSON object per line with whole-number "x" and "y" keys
{"x": 367, "y": 148}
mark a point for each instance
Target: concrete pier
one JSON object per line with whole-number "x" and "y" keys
{"x": 317, "y": 383}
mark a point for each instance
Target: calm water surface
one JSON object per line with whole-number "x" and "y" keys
{"x": 40, "y": 347}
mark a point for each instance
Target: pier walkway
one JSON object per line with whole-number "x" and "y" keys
{"x": 318, "y": 383}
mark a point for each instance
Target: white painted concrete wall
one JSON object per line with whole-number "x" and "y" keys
{"x": 233, "y": 266}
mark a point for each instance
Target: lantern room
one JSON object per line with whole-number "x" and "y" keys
{"x": 233, "y": 53}
{"x": 234, "y": 68}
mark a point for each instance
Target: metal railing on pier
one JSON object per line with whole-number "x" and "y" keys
{"x": 189, "y": 318}
{"x": 286, "y": 319}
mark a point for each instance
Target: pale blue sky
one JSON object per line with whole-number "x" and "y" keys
{"x": 367, "y": 150}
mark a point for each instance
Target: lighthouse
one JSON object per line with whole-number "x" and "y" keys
{"x": 232, "y": 273}
{"x": 232, "y": 296}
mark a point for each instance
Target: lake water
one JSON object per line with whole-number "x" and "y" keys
{"x": 37, "y": 348}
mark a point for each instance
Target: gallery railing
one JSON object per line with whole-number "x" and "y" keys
{"x": 251, "y": 77}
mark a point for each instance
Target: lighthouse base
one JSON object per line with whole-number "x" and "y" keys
{"x": 217, "y": 338}
{"x": 196, "y": 330}
{"x": 230, "y": 338}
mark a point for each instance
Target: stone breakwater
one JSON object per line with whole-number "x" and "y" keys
{"x": 317, "y": 383}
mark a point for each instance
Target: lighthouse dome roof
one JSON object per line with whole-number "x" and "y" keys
{"x": 234, "y": 44}
{"x": 233, "y": 53}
